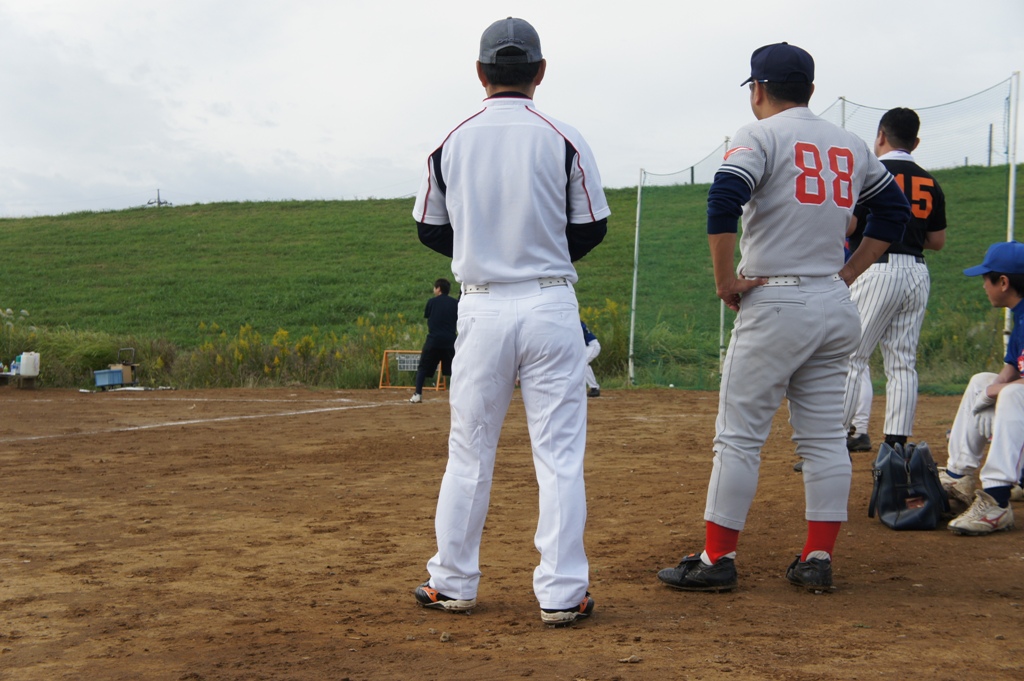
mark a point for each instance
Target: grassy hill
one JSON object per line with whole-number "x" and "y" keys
{"x": 162, "y": 278}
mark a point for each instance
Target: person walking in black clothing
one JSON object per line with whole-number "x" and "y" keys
{"x": 442, "y": 314}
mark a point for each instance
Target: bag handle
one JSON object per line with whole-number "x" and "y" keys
{"x": 876, "y": 473}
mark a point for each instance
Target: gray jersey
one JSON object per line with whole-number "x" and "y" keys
{"x": 807, "y": 174}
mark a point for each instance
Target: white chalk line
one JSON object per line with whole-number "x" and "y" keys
{"x": 228, "y": 399}
{"x": 190, "y": 422}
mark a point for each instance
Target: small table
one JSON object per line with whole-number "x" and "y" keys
{"x": 20, "y": 381}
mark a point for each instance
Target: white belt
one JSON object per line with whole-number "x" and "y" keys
{"x": 545, "y": 282}
{"x": 791, "y": 280}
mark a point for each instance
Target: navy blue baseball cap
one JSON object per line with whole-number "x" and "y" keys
{"x": 510, "y": 32}
{"x": 781, "y": 63}
{"x": 1005, "y": 257}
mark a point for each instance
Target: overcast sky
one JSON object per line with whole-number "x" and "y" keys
{"x": 106, "y": 101}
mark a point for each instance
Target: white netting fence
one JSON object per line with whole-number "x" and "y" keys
{"x": 701, "y": 172}
{"x": 972, "y": 131}
{"x": 979, "y": 130}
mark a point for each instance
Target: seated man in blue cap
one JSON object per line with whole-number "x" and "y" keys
{"x": 992, "y": 410}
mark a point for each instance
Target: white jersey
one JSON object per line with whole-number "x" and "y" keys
{"x": 476, "y": 181}
{"x": 807, "y": 174}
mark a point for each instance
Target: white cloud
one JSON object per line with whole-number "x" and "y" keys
{"x": 216, "y": 100}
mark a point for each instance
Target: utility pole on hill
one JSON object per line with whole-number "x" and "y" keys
{"x": 158, "y": 202}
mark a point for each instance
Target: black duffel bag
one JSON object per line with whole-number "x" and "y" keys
{"x": 907, "y": 494}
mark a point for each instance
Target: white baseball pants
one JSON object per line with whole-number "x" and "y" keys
{"x": 794, "y": 342}
{"x": 862, "y": 409}
{"x": 967, "y": 445}
{"x": 593, "y": 350}
{"x": 534, "y": 331}
{"x": 891, "y": 298}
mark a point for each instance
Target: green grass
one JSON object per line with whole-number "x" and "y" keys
{"x": 327, "y": 271}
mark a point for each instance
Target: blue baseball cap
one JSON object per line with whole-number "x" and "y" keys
{"x": 1005, "y": 257}
{"x": 781, "y": 63}
{"x": 510, "y": 32}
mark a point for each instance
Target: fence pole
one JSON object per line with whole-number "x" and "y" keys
{"x": 721, "y": 306}
{"x": 1011, "y": 200}
{"x": 636, "y": 265}
{"x": 721, "y": 336}
{"x": 1012, "y": 153}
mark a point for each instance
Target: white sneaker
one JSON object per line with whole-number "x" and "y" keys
{"x": 1016, "y": 493}
{"x": 984, "y": 516}
{"x": 961, "y": 489}
{"x": 416, "y": 398}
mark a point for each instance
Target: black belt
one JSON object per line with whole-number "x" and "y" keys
{"x": 885, "y": 257}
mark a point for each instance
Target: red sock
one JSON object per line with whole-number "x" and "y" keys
{"x": 821, "y": 536}
{"x": 719, "y": 540}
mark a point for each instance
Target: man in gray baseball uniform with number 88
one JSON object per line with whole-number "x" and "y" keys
{"x": 795, "y": 179}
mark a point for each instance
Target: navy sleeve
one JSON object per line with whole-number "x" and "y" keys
{"x": 439, "y": 238}
{"x": 889, "y": 214}
{"x": 937, "y": 219}
{"x": 584, "y": 237}
{"x": 726, "y": 197}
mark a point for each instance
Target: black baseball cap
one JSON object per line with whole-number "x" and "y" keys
{"x": 781, "y": 63}
{"x": 510, "y": 32}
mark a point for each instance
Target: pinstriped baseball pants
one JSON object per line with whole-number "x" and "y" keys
{"x": 891, "y": 298}
{"x": 793, "y": 342}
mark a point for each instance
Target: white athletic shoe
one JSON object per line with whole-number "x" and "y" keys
{"x": 961, "y": 489}
{"x": 1016, "y": 493}
{"x": 984, "y": 516}
{"x": 416, "y": 398}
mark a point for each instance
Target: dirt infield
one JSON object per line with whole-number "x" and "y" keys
{"x": 278, "y": 534}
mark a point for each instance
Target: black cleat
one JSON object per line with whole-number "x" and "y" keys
{"x": 858, "y": 443}
{"x": 693, "y": 575}
{"x": 813, "y": 574}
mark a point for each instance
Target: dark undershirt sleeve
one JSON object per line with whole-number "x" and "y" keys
{"x": 438, "y": 238}
{"x": 584, "y": 237}
{"x": 726, "y": 198}
{"x": 889, "y": 214}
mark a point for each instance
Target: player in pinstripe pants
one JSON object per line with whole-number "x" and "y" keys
{"x": 892, "y": 294}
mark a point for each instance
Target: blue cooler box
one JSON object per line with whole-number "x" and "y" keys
{"x": 108, "y": 377}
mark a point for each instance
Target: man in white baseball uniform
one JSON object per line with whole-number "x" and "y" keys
{"x": 795, "y": 179}
{"x": 992, "y": 410}
{"x": 514, "y": 197}
{"x": 892, "y": 294}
